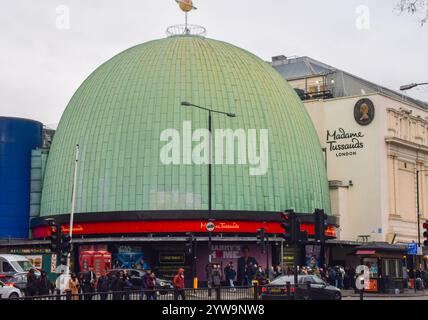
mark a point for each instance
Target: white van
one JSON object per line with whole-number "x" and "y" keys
{"x": 12, "y": 263}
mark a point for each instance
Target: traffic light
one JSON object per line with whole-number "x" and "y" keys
{"x": 65, "y": 244}
{"x": 190, "y": 239}
{"x": 261, "y": 238}
{"x": 425, "y": 226}
{"x": 54, "y": 237}
{"x": 289, "y": 226}
{"x": 320, "y": 225}
{"x": 303, "y": 236}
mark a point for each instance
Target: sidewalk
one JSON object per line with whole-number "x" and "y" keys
{"x": 407, "y": 293}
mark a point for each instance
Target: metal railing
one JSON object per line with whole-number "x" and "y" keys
{"x": 218, "y": 293}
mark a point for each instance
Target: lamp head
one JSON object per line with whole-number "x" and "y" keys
{"x": 408, "y": 86}
{"x": 186, "y": 104}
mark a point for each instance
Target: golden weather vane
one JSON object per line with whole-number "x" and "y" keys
{"x": 186, "y": 6}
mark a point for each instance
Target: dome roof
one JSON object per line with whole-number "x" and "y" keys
{"x": 119, "y": 112}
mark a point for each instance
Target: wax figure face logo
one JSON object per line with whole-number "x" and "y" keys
{"x": 228, "y": 147}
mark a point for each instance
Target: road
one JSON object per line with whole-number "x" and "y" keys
{"x": 420, "y": 298}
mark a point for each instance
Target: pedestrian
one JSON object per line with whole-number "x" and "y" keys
{"x": 89, "y": 279}
{"x": 331, "y": 276}
{"x": 278, "y": 271}
{"x": 103, "y": 286}
{"x": 260, "y": 276}
{"x": 230, "y": 275}
{"x": 246, "y": 267}
{"x": 178, "y": 283}
{"x": 117, "y": 285}
{"x": 44, "y": 284}
{"x": 73, "y": 286}
{"x": 341, "y": 276}
{"x": 116, "y": 264}
{"x": 151, "y": 286}
{"x": 216, "y": 276}
{"x": 142, "y": 265}
{"x": 31, "y": 289}
{"x": 209, "y": 272}
{"x": 271, "y": 273}
{"x": 144, "y": 278}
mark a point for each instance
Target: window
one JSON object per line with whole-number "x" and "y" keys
{"x": 23, "y": 265}
{"x": 371, "y": 263}
{"x": 7, "y": 267}
{"x": 392, "y": 268}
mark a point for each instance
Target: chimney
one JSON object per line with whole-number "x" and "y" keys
{"x": 279, "y": 58}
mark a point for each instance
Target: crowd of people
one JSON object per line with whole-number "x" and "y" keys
{"x": 248, "y": 271}
{"x": 342, "y": 278}
{"x": 85, "y": 284}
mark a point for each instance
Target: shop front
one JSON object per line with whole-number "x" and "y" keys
{"x": 386, "y": 264}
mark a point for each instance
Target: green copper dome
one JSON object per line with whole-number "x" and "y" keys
{"x": 118, "y": 114}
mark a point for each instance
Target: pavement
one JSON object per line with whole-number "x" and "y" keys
{"x": 408, "y": 293}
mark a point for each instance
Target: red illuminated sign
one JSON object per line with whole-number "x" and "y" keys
{"x": 141, "y": 227}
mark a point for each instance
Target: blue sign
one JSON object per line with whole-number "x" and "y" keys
{"x": 412, "y": 249}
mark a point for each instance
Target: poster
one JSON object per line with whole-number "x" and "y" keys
{"x": 36, "y": 261}
{"x": 312, "y": 256}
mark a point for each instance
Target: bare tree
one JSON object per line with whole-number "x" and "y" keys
{"x": 414, "y": 7}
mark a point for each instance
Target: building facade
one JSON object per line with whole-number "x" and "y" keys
{"x": 375, "y": 141}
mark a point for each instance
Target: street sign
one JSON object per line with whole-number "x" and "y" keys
{"x": 210, "y": 226}
{"x": 412, "y": 249}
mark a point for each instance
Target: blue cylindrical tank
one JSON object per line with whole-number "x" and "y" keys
{"x": 17, "y": 138}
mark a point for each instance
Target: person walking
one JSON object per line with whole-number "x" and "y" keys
{"x": 103, "y": 286}
{"x": 73, "y": 286}
{"x": 151, "y": 286}
{"x": 178, "y": 283}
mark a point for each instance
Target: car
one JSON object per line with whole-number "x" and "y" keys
{"x": 310, "y": 287}
{"x": 136, "y": 279}
{"x": 17, "y": 280}
{"x": 9, "y": 291}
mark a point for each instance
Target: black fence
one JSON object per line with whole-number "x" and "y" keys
{"x": 219, "y": 293}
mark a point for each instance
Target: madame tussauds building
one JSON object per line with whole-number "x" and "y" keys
{"x": 142, "y": 179}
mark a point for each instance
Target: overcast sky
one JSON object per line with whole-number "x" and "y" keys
{"x": 42, "y": 65}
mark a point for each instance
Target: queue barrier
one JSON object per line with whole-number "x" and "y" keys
{"x": 221, "y": 293}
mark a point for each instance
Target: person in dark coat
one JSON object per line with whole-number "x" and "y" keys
{"x": 31, "y": 289}
{"x": 230, "y": 275}
{"x": 216, "y": 276}
{"x": 151, "y": 286}
{"x": 103, "y": 286}
{"x": 117, "y": 285}
{"x": 88, "y": 283}
{"x": 246, "y": 267}
{"x": 44, "y": 284}
{"x": 144, "y": 278}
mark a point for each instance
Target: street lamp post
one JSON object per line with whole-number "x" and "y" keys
{"x": 412, "y": 85}
{"x": 210, "y": 112}
{"x": 418, "y": 204}
{"x": 418, "y": 211}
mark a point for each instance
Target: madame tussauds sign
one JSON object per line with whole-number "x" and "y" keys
{"x": 344, "y": 143}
